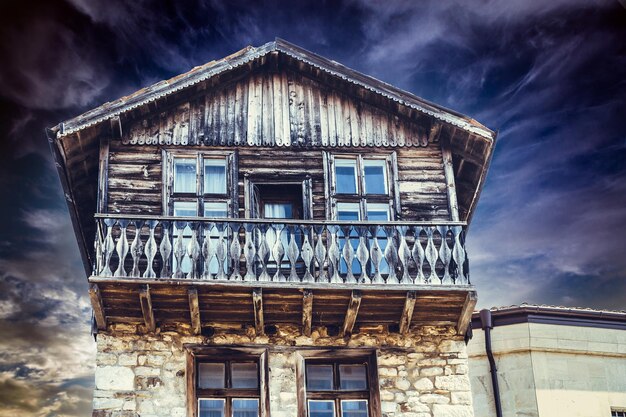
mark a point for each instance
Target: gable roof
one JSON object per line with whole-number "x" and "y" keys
{"x": 204, "y": 72}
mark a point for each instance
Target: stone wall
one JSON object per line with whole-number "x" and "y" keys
{"x": 422, "y": 374}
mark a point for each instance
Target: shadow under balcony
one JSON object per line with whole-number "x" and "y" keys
{"x": 162, "y": 271}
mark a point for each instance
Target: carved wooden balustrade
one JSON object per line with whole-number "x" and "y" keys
{"x": 252, "y": 250}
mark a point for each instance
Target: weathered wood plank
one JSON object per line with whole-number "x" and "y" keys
{"x": 351, "y": 313}
{"x": 146, "y": 308}
{"x": 257, "y": 302}
{"x": 97, "y": 306}
{"x": 194, "y": 311}
{"x": 407, "y": 312}
{"x": 466, "y": 312}
{"x": 307, "y": 312}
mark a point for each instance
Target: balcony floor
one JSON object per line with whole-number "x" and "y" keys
{"x": 166, "y": 303}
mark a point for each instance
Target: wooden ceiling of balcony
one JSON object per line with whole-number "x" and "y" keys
{"x": 203, "y": 305}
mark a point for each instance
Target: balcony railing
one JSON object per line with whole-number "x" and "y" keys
{"x": 252, "y": 250}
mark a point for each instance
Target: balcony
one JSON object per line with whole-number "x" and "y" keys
{"x": 161, "y": 271}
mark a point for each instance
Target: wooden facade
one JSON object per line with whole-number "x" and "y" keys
{"x": 281, "y": 115}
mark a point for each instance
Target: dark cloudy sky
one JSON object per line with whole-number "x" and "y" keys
{"x": 550, "y": 75}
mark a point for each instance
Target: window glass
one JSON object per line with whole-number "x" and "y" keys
{"x": 211, "y": 375}
{"x": 321, "y": 408}
{"x": 377, "y": 211}
{"x": 217, "y": 209}
{"x": 185, "y": 209}
{"x": 354, "y": 408}
{"x": 184, "y": 175}
{"x": 244, "y": 375}
{"x": 319, "y": 377}
{"x": 348, "y": 211}
{"x": 214, "y": 176}
{"x": 352, "y": 377}
{"x": 345, "y": 174}
{"x": 278, "y": 210}
{"x": 245, "y": 407}
{"x": 211, "y": 407}
{"x": 375, "y": 178}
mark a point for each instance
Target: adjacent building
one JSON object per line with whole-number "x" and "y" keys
{"x": 274, "y": 233}
{"x": 551, "y": 362}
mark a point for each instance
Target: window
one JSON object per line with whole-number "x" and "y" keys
{"x": 360, "y": 187}
{"x": 344, "y": 386}
{"x": 200, "y": 184}
{"x": 227, "y": 382}
{"x": 618, "y": 413}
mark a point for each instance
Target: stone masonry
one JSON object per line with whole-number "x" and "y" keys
{"x": 421, "y": 374}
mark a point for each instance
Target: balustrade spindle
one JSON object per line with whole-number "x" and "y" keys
{"x": 179, "y": 249}
{"x": 107, "y": 248}
{"x": 391, "y": 255}
{"x": 320, "y": 254}
{"x": 348, "y": 254}
{"x": 458, "y": 254}
{"x": 292, "y": 254}
{"x": 376, "y": 255}
{"x": 235, "y": 253}
{"x": 334, "y": 256}
{"x": 221, "y": 252}
{"x": 431, "y": 256}
{"x": 418, "y": 255}
{"x": 122, "y": 249}
{"x": 363, "y": 255}
{"x": 307, "y": 256}
{"x": 445, "y": 254}
{"x": 249, "y": 252}
{"x": 263, "y": 252}
{"x": 165, "y": 248}
{"x": 136, "y": 249}
{"x": 208, "y": 252}
{"x": 404, "y": 255}
{"x": 193, "y": 251}
{"x": 278, "y": 251}
{"x": 150, "y": 247}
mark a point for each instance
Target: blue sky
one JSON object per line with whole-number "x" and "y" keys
{"x": 550, "y": 76}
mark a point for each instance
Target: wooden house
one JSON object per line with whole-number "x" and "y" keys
{"x": 274, "y": 233}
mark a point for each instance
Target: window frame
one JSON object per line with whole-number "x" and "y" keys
{"x": 361, "y": 197}
{"x": 337, "y": 357}
{"x": 230, "y": 197}
{"x": 197, "y": 354}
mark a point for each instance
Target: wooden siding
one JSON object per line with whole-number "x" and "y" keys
{"x": 135, "y": 177}
{"x": 278, "y": 109}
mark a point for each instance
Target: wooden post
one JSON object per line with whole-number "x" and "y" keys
{"x": 146, "y": 308}
{"x": 466, "y": 312}
{"x": 407, "y": 312}
{"x": 257, "y": 300}
{"x": 351, "y": 313}
{"x": 98, "y": 307}
{"x": 194, "y": 311}
{"x": 307, "y": 312}
{"x": 448, "y": 169}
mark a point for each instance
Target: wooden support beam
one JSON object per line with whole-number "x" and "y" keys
{"x": 307, "y": 312}
{"x": 98, "y": 307}
{"x": 351, "y": 313}
{"x": 407, "y": 312}
{"x": 466, "y": 312}
{"x": 257, "y": 301}
{"x": 194, "y": 311}
{"x": 116, "y": 128}
{"x": 448, "y": 169}
{"x": 146, "y": 308}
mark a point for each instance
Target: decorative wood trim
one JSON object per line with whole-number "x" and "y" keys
{"x": 327, "y": 200}
{"x": 146, "y": 308}
{"x": 257, "y": 300}
{"x": 192, "y": 409}
{"x": 103, "y": 174}
{"x": 301, "y": 385}
{"x": 407, "y": 312}
{"x": 466, "y": 312}
{"x": 374, "y": 402}
{"x": 264, "y": 374}
{"x": 449, "y": 174}
{"x": 194, "y": 311}
{"x": 98, "y": 307}
{"x": 307, "y": 312}
{"x": 394, "y": 182}
{"x": 351, "y": 313}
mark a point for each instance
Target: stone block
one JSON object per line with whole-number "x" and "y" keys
{"x": 431, "y": 371}
{"x": 128, "y": 359}
{"x": 461, "y": 397}
{"x": 106, "y": 359}
{"x": 115, "y": 378}
{"x": 382, "y": 371}
{"x": 453, "y": 383}
{"x": 423, "y": 384}
{"x": 107, "y": 403}
{"x": 434, "y": 399}
{"x": 441, "y": 410}
{"x": 388, "y": 406}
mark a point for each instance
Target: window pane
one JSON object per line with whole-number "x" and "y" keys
{"x": 214, "y": 176}
{"x": 248, "y": 407}
{"x": 211, "y": 375}
{"x": 244, "y": 375}
{"x": 184, "y": 175}
{"x": 278, "y": 210}
{"x": 319, "y": 377}
{"x": 375, "y": 178}
{"x": 348, "y": 211}
{"x": 211, "y": 408}
{"x": 345, "y": 175}
{"x": 218, "y": 210}
{"x": 321, "y": 408}
{"x": 377, "y": 212}
{"x": 352, "y": 377}
{"x": 354, "y": 408}
{"x": 185, "y": 208}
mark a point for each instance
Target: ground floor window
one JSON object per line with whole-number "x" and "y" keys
{"x": 341, "y": 384}
{"x": 226, "y": 382}
{"x": 618, "y": 413}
